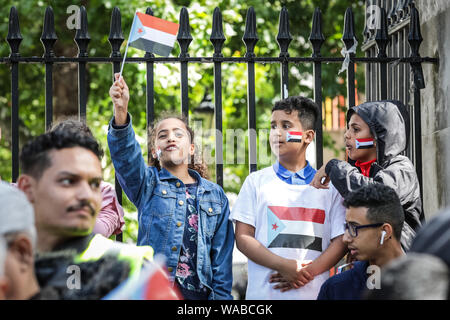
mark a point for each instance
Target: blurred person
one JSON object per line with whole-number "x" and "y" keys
{"x": 373, "y": 228}
{"x": 416, "y": 276}
{"x": 18, "y": 235}
{"x": 434, "y": 237}
{"x": 61, "y": 176}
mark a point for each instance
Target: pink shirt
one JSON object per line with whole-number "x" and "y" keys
{"x": 110, "y": 218}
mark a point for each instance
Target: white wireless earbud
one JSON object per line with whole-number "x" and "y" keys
{"x": 383, "y": 233}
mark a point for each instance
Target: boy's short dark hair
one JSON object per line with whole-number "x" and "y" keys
{"x": 34, "y": 157}
{"x": 382, "y": 203}
{"x": 307, "y": 109}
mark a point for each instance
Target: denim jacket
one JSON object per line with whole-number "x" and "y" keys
{"x": 160, "y": 199}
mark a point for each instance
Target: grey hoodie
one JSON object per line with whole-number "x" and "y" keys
{"x": 389, "y": 123}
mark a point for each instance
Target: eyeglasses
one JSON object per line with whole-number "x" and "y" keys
{"x": 353, "y": 229}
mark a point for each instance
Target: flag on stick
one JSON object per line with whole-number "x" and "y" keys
{"x": 151, "y": 34}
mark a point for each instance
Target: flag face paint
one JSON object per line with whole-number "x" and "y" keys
{"x": 152, "y": 34}
{"x": 364, "y": 143}
{"x": 294, "y": 136}
{"x": 295, "y": 227}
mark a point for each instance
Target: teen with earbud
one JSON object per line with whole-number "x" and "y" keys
{"x": 373, "y": 226}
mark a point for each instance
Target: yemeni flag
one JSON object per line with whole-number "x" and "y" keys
{"x": 364, "y": 143}
{"x": 295, "y": 227}
{"x": 293, "y": 136}
{"x": 152, "y": 34}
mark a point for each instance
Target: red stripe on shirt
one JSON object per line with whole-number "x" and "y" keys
{"x": 299, "y": 214}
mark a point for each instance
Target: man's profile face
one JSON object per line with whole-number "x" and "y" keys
{"x": 67, "y": 197}
{"x": 365, "y": 245}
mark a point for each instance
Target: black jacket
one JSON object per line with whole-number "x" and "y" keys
{"x": 389, "y": 124}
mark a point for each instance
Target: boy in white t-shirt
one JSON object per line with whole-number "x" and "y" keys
{"x": 290, "y": 231}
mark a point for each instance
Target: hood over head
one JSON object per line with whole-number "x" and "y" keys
{"x": 388, "y": 121}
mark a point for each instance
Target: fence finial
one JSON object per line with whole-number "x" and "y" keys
{"x": 184, "y": 37}
{"x": 284, "y": 37}
{"x": 149, "y": 11}
{"x": 115, "y": 33}
{"x": 349, "y": 29}
{"x": 250, "y": 37}
{"x": 14, "y": 37}
{"x": 382, "y": 37}
{"x": 415, "y": 39}
{"x": 48, "y": 37}
{"x": 82, "y": 36}
{"x": 217, "y": 37}
{"x": 316, "y": 37}
{"x": 391, "y": 15}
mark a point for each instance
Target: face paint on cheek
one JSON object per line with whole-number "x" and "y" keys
{"x": 364, "y": 143}
{"x": 293, "y": 136}
{"x": 158, "y": 153}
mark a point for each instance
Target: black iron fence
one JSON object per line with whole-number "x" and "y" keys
{"x": 384, "y": 46}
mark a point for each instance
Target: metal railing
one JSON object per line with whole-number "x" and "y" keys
{"x": 381, "y": 82}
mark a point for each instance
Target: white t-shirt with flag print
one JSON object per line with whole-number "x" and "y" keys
{"x": 293, "y": 221}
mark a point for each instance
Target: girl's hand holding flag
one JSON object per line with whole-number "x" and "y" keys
{"x": 120, "y": 96}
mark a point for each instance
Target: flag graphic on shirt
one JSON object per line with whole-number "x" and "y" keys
{"x": 294, "y": 136}
{"x": 364, "y": 143}
{"x": 295, "y": 227}
{"x": 153, "y": 34}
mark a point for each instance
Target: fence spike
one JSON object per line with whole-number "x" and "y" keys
{"x": 316, "y": 37}
{"x": 149, "y": 11}
{"x": 398, "y": 11}
{"x": 407, "y": 8}
{"x": 48, "y": 37}
{"x": 14, "y": 37}
{"x": 217, "y": 37}
{"x": 250, "y": 37}
{"x": 349, "y": 29}
{"x": 382, "y": 37}
{"x": 184, "y": 37}
{"x": 415, "y": 39}
{"x": 115, "y": 33}
{"x": 82, "y": 36}
{"x": 284, "y": 37}
{"x": 391, "y": 15}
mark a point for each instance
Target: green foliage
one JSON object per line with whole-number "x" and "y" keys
{"x": 167, "y": 76}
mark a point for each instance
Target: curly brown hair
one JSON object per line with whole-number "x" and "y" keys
{"x": 196, "y": 162}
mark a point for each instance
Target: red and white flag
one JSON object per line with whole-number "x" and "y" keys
{"x": 364, "y": 143}
{"x": 294, "y": 136}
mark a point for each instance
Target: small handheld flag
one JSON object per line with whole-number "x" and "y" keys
{"x": 152, "y": 283}
{"x": 294, "y": 136}
{"x": 151, "y": 34}
{"x": 364, "y": 143}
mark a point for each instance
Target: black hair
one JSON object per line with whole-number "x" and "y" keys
{"x": 307, "y": 109}
{"x": 382, "y": 203}
{"x": 34, "y": 158}
{"x": 75, "y": 124}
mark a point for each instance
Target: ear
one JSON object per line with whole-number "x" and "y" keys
{"x": 23, "y": 250}
{"x": 308, "y": 136}
{"x": 26, "y": 183}
{"x": 192, "y": 149}
{"x": 389, "y": 231}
